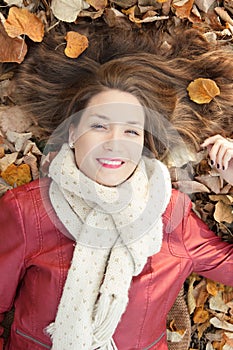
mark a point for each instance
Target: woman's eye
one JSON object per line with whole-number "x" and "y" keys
{"x": 132, "y": 132}
{"x": 98, "y": 126}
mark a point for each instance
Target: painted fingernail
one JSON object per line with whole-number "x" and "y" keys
{"x": 218, "y": 166}
{"x": 212, "y": 162}
{"x": 223, "y": 167}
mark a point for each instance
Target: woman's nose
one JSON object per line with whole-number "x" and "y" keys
{"x": 113, "y": 140}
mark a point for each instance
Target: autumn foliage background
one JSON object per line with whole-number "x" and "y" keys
{"x": 210, "y": 305}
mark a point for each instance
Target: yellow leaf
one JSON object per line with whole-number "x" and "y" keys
{"x": 76, "y": 44}
{"x": 17, "y": 175}
{"x": 21, "y": 21}
{"x": 203, "y": 90}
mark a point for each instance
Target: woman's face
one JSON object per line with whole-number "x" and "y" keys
{"x": 108, "y": 140}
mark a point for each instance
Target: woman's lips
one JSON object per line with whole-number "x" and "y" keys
{"x": 110, "y": 163}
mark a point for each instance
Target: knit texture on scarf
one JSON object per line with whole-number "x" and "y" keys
{"x": 115, "y": 229}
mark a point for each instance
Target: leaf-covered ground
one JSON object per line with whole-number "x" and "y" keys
{"x": 210, "y": 304}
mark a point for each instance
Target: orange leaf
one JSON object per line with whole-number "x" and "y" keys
{"x": 183, "y": 10}
{"x": 203, "y": 90}
{"x": 17, "y": 175}
{"x": 98, "y": 4}
{"x": 200, "y": 315}
{"x": 21, "y": 21}
{"x": 11, "y": 49}
{"x": 76, "y": 44}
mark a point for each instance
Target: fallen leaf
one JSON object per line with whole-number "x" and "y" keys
{"x": 21, "y": 21}
{"x": 221, "y": 324}
{"x": 203, "y": 90}
{"x": 31, "y": 160}
{"x": 217, "y": 303}
{"x": 7, "y": 160}
{"x": 183, "y": 8}
{"x": 204, "y": 5}
{"x": 227, "y": 199}
{"x": 2, "y": 151}
{"x": 223, "y": 212}
{"x": 4, "y": 187}
{"x": 19, "y": 139}
{"x": 175, "y": 336}
{"x": 98, "y": 4}
{"x": 211, "y": 182}
{"x": 212, "y": 287}
{"x": 190, "y": 187}
{"x": 68, "y": 10}
{"x": 17, "y": 175}
{"x": 200, "y": 315}
{"x": 14, "y": 119}
{"x": 18, "y": 3}
{"x": 11, "y": 49}
{"x": 223, "y": 15}
{"x": 76, "y": 44}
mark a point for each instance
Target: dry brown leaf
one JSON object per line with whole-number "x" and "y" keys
{"x": 14, "y": 119}
{"x": 228, "y": 337}
{"x": 11, "y": 49}
{"x": 19, "y": 139}
{"x": 223, "y": 15}
{"x": 76, "y": 44}
{"x": 217, "y": 303}
{"x": 200, "y": 315}
{"x": 68, "y": 10}
{"x": 18, "y": 3}
{"x": 227, "y": 199}
{"x": 212, "y": 287}
{"x": 223, "y": 213}
{"x": 183, "y": 8}
{"x": 212, "y": 182}
{"x": 175, "y": 336}
{"x": 17, "y": 175}
{"x": 21, "y": 21}
{"x": 2, "y": 151}
{"x": 4, "y": 187}
{"x": 98, "y": 4}
{"x": 221, "y": 324}
{"x": 204, "y": 5}
{"x": 203, "y": 90}
{"x": 31, "y": 160}
{"x": 190, "y": 187}
{"x": 7, "y": 160}
{"x": 201, "y": 328}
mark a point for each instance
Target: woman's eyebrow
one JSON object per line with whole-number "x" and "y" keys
{"x": 103, "y": 117}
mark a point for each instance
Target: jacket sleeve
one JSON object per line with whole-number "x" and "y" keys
{"x": 210, "y": 256}
{"x": 12, "y": 251}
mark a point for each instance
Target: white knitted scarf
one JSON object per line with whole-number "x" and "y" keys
{"x": 115, "y": 229}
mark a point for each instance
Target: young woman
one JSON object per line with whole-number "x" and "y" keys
{"x": 93, "y": 255}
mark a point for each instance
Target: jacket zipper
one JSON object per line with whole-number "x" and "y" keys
{"x": 32, "y": 339}
{"x": 155, "y": 342}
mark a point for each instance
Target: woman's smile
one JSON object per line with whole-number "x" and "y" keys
{"x": 110, "y": 163}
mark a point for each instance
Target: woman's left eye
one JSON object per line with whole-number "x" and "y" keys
{"x": 132, "y": 132}
{"x": 97, "y": 126}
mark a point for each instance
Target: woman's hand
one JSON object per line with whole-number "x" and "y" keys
{"x": 220, "y": 152}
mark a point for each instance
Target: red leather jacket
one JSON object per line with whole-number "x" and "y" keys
{"x": 35, "y": 256}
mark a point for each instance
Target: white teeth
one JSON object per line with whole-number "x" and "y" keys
{"x": 110, "y": 162}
